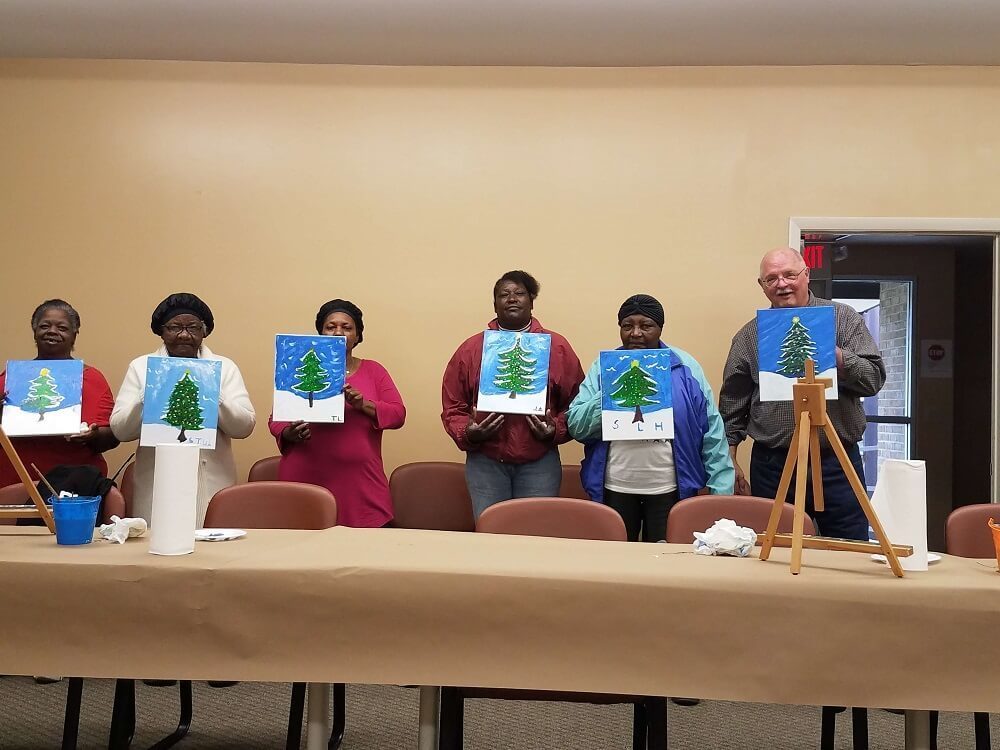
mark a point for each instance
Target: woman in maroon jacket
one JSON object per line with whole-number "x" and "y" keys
{"x": 509, "y": 455}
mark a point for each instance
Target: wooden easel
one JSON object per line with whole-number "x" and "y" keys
{"x": 41, "y": 510}
{"x": 810, "y": 418}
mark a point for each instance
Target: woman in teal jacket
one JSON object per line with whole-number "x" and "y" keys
{"x": 642, "y": 479}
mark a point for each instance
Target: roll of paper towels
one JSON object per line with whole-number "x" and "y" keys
{"x": 174, "y": 512}
{"x": 900, "y": 502}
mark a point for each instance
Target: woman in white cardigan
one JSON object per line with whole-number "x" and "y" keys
{"x": 183, "y": 321}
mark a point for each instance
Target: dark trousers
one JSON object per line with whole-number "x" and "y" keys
{"x": 646, "y": 512}
{"x": 843, "y": 517}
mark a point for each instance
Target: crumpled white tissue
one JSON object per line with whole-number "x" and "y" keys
{"x": 725, "y": 538}
{"x": 121, "y": 529}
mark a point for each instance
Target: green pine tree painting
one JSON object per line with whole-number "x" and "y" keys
{"x": 516, "y": 371}
{"x": 183, "y": 410}
{"x": 635, "y": 385}
{"x": 311, "y": 376}
{"x": 43, "y": 395}
{"x": 796, "y": 348}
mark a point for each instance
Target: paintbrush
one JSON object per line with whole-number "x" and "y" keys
{"x": 45, "y": 481}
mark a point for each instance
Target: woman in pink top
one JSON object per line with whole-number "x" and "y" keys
{"x": 347, "y": 458}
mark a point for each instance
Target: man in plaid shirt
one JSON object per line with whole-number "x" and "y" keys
{"x": 784, "y": 278}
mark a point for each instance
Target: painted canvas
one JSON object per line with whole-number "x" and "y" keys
{"x": 636, "y": 395}
{"x": 44, "y": 397}
{"x": 309, "y": 374}
{"x": 181, "y": 401}
{"x": 514, "y": 377}
{"x": 786, "y": 338}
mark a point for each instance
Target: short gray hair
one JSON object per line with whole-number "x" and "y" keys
{"x": 56, "y": 304}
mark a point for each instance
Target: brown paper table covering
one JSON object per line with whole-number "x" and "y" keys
{"x": 422, "y": 607}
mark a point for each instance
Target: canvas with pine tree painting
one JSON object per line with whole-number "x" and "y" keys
{"x": 181, "y": 402}
{"x": 44, "y": 397}
{"x": 636, "y": 395}
{"x": 309, "y": 374}
{"x": 786, "y": 338}
{"x": 514, "y": 377}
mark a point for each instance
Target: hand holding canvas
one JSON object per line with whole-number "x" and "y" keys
{"x": 543, "y": 428}
{"x": 296, "y": 432}
{"x": 85, "y": 437}
{"x": 480, "y": 432}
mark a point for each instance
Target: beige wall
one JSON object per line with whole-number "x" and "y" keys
{"x": 269, "y": 189}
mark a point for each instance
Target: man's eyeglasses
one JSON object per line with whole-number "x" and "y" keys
{"x": 788, "y": 276}
{"x": 193, "y": 329}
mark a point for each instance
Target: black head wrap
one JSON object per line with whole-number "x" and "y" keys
{"x": 344, "y": 306}
{"x": 642, "y": 304}
{"x": 180, "y": 304}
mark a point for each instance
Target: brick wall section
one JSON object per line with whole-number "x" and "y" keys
{"x": 893, "y": 317}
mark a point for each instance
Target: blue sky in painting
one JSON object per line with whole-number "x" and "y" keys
{"x": 538, "y": 346}
{"x": 654, "y": 361}
{"x": 162, "y": 374}
{"x": 67, "y": 373}
{"x": 289, "y": 351}
{"x": 773, "y": 325}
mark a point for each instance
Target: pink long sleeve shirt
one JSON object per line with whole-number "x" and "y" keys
{"x": 347, "y": 458}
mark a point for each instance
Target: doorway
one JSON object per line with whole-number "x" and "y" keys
{"x": 929, "y": 300}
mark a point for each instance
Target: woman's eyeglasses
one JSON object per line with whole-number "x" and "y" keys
{"x": 193, "y": 329}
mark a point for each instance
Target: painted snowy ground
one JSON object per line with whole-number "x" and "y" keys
{"x": 655, "y": 425}
{"x": 525, "y": 403}
{"x": 775, "y": 387}
{"x": 20, "y": 423}
{"x": 165, "y": 434}
{"x": 288, "y": 407}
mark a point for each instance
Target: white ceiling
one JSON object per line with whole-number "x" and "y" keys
{"x": 510, "y": 32}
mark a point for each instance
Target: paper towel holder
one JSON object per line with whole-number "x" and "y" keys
{"x": 809, "y": 397}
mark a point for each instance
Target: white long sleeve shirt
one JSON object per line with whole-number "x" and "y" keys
{"x": 218, "y": 466}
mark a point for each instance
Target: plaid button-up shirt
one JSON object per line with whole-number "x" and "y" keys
{"x": 771, "y": 423}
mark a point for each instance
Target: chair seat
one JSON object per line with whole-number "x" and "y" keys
{"x": 603, "y": 699}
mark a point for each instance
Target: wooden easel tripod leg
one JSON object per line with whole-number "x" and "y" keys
{"x": 798, "y": 520}
{"x": 779, "y": 498}
{"x": 817, "y": 469}
{"x": 866, "y": 506}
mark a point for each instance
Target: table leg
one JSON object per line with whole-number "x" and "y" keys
{"x": 917, "y": 732}
{"x": 430, "y": 708}
{"x": 318, "y": 716}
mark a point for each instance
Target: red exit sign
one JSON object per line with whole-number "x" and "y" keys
{"x": 813, "y": 255}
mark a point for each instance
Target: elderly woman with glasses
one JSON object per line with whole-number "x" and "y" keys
{"x": 55, "y": 325}
{"x": 183, "y": 321}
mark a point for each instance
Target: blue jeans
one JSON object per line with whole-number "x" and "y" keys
{"x": 491, "y": 482}
{"x": 843, "y": 517}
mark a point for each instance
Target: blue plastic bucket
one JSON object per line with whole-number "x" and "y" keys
{"x": 75, "y": 519}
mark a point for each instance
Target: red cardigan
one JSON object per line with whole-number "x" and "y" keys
{"x": 515, "y": 442}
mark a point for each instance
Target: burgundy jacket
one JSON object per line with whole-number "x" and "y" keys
{"x": 515, "y": 442}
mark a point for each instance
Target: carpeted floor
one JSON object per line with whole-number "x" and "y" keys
{"x": 251, "y": 716}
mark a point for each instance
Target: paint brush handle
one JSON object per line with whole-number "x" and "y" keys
{"x": 45, "y": 481}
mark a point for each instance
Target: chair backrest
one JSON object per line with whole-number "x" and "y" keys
{"x": 15, "y": 494}
{"x": 272, "y": 505}
{"x": 431, "y": 495}
{"x": 966, "y": 533}
{"x": 571, "y": 485}
{"x": 698, "y": 513}
{"x": 559, "y": 517}
{"x": 128, "y": 487}
{"x": 265, "y": 470}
